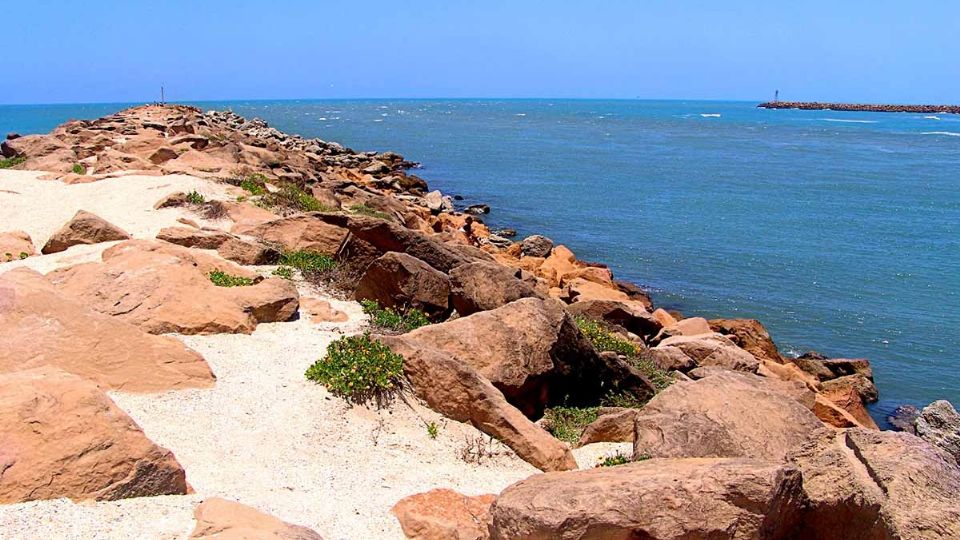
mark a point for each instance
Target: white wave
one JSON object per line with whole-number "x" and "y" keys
{"x": 944, "y": 133}
{"x": 710, "y": 115}
{"x": 379, "y": 120}
{"x": 520, "y": 114}
{"x": 322, "y": 118}
{"x": 846, "y": 121}
{"x": 384, "y": 114}
{"x": 931, "y": 117}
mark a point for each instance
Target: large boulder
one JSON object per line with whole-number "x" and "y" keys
{"x": 613, "y": 426}
{"x": 869, "y": 485}
{"x": 444, "y": 514}
{"x": 194, "y": 238}
{"x": 301, "y": 232}
{"x": 165, "y": 288}
{"x": 724, "y": 415}
{"x": 659, "y": 499}
{"x": 536, "y": 246}
{"x": 532, "y": 350}
{"x": 41, "y": 327}
{"x": 712, "y": 350}
{"x": 750, "y": 335}
{"x": 629, "y": 315}
{"x": 456, "y": 390}
{"x": 63, "y": 437}
{"x": 220, "y": 519}
{"x": 939, "y": 424}
{"x": 398, "y": 280}
{"x": 83, "y": 228}
{"x": 482, "y": 285}
{"x": 15, "y": 245}
{"x": 248, "y": 252}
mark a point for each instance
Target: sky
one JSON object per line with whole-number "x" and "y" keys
{"x": 879, "y": 51}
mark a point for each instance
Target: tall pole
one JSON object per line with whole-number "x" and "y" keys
{"x": 162, "y": 101}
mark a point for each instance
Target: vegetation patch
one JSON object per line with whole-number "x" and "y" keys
{"x": 604, "y": 340}
{"x": 307, "y": 261}
{"x": 433, "y": 430}
{"x": 568, "y": 423}
{"x": 614, "y": 460}
{"x": 222, "y": 279}
{"x": 364, "y": 210}
{"x": 292, "y": 198}
{"x": 358, "y": 369}
{"x": 284, "y": 272}
{"x": 393, "y": 320}
{"x": 12, "y": 162}
{"x": 78, "y": 168}
{"x": 195, "y": 198}
{"x": 254, "y": 184}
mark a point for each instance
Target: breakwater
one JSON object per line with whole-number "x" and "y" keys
{"x": 860, "y": 107}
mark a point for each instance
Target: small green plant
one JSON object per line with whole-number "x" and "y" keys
{"x": 660, "y": 378}
{"x": 365, "y": 210}
{"x": 8, "y": 256}
{"x": 614, "y": 460}
{"x": 622, "y": 399}
{"x": 78, "y": 168}
{"x": 307, "y": 261}
{"x": 12, "y": 162}
{"x": 195, "y": 198}
{"x": 358, "y": 368}
{"x": 284, "y": 271}
{"x": 605, "y": 340}
{"x": 433, "y": 430}
{"x": 392, "y": 319}
{"x": 567, "y": 423}
{"x": 24, "y": 255}
{"x": 293, "y": 198}
{"x": 254, "y": 184}
{"x": 222, "y": 279}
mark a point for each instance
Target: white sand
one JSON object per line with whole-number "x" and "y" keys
{"x": 263, "y": 435}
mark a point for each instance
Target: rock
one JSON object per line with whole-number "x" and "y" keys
{"x": 301, "y": 232}
{"x": 163, "y": 155}
{"x": 83, "y": 228}
{"x": 750, "y": 335}
{"x": 63, "y": 437}
{"x": 165, "y": 288}
{"x": 536, "y": 246}
{"x": 613, "y": 427}
{"x": 172, "y": 200}
{"x": 939, "y": 424}
{"x": 635, "y": 293}
{"x": 867, "y": 485}
{"x": 482, "y": 285}
{"x": 248, "y": 252}
{"x": 478, "y": 209}
{"x": 723, "y": 415}
{"x": 561, "y": 261}
{"x": 533, "y": 352}
{"x": 377, "y": 167}
{"x": 398, "y": 280}
{"x": 437, "y": 203}
{"x": 675, "y": 499}
{"x": 41, "y": 327}
{"x": 830, "y": 368}
{"x": 506, "y": 233}
{"x": 712, "y": 350}
{"x": 444, "y": 514}
{"x": 863, "y": 386}
{"x": 194, "y": 238}
{"x": 847, "y": 398}
{"x": 629, "y": 315}
{"x": 903, "y": 418}
{"x": 15, "y": 245}
{"x": 220, "y": 519}
{"x": 320, "y": 311}
{"x": 673, "y": 358}
{"x": 832, "y": 414}
{"x": 694, "y": 326}
{"x": 455, "y": 389}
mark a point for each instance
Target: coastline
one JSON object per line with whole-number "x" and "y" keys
{"x": 860, "y": 107}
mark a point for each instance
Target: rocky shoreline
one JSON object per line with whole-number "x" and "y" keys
{"x": 510, "y": 336}
{"x": 860, "y": 107}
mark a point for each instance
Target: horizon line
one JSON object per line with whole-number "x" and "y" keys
{"x": 441, "y": 98}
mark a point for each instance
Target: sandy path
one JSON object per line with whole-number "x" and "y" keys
{"x": 263, "y": 435}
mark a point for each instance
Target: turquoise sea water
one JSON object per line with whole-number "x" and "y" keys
{"x": 838, "y": 230}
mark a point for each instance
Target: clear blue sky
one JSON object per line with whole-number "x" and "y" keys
{"x": 70, "y": 51}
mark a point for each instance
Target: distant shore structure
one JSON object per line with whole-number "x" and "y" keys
{"x": 861, "y": 107}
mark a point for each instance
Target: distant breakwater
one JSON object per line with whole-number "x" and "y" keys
{"x": 817, "y": 106}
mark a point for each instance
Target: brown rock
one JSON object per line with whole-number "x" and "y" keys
{"x": 194, "y": 238}
{"x": 15, "y": 245}
{"x": 247, "y": 252}
{"x": 320, "y": 311}
{"x": 613, "y": 427}
{"x": 723, "y": 415}
{"x": 532, "y": 350}
{"x": 454, "y": 389}
{"x": 750, "y": 335}
{"x": 162, "y": 155}
{"x": 694, "y": 326}
{"x": 482, "y": 285}
{"x": 561, "y": 261}
{"x": 863, "y": 386}
{"x": 164, "y": 288}
{"x": 663, "y": 317}
{"x": 301, "y": 232}
{"x": 41, "y": 327}
{"x": 662, "y": 499}
{"x": 63, "y": 437}
{"x": 220, "y": 519}
{"x": 939, "y": 424}
{"x": 671, "y": 358}
{"x": 629, "y": 315}
{"x": 444, "y": 514}
{"x": 397, "y": 280}
{"x": 712, "y": 350}
{"x": 848, "y": 399}
{"x": 83, "y": 228}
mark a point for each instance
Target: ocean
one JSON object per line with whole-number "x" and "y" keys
{"x": 838, "y": 230}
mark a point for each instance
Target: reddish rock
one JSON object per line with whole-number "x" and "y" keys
{"x": 662, "y": 499}
{"x": 220, "y": 519}
{"x": 63, "y": 437}
{"x": 629, "y": 315}
{"x": 694, "y": 326}
{"x": 83, "y": 228}
{"x": 750, "y": 335}
{"x": 320, "y": 311}
{"x": 612, "y": 427}
{"x": 172, "y": 200}
{"x": 194, "y": 238}
{"x": 248, "y": 252}
{"x": 301, "y": 232}
{"x": 848, "y": 399}
{"x": 444, "y": 514}
{"x": 15, "y": 245}
{"x": 41, "y": 327}
{"x": 663, "y": 317}
{"x": 561, "y": 261}
{"x": 483, "y": 285}
{"x": 397, "y": 280}
{"x": 863, "y": 386}
{"x": 712, "y": 350}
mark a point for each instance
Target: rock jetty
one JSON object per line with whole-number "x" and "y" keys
{"x": 860, "y": 107}
{"x": 201, "y": 273}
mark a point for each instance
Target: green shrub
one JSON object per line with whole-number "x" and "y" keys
{"x": 195, "y": 198}
{"x": 254, "y": 184}
{"x": 605, "y": 340}
{"x": 365, "y": 210}
{"x": 24, "y": 255}
{"x": 79, "y": 169}
{"x": 12, "y": 162}
{"x": 567, "y": 423}
{"x": 391, "y": 319}
{"x": 358, "y": 369}
{"x": 659, "y": 377}
{"x": 307, "y": 261}
{"x": 222, "y": 279}
{"x": 614, "y": 460}
{"x": 292, "y": 197}
{"x": 284, "y": 271}
{"x": 433, "y": 430}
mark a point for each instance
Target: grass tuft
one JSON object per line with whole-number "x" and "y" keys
{"x": 614, "y": 460}
{"x": 364, "y": 210}
{"x": 358, "y": 369}
{"x": 284, "y": 272}
{"x": 568, "y": 423}
{"x": 78, "y": 168}
{"x": 393, "y": 320}
{"x": 254, "y": 184}
{"x": 12, "y": 162}
{"x": 222, "y": 279}
{"x": 605, "y": 340}
{"x": 195, "y": 198}
{"x": 307, "y": 261}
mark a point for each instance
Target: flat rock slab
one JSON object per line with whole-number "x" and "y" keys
{"x": 220, "y": 519}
